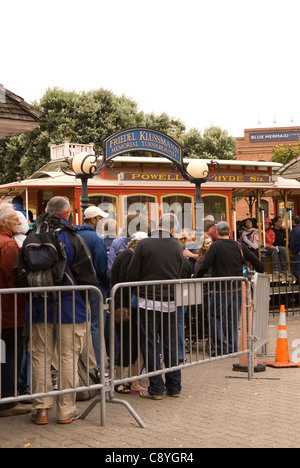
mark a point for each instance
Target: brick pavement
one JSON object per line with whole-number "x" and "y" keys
{"x": 214, "y": 411}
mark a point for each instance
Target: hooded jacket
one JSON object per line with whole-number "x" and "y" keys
{"x": 98, "y": 251}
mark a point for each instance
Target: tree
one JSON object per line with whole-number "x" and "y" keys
{"x": 214, "y": 144}
{"x": 284, "y": 154}
{"x": 92, "y": 116}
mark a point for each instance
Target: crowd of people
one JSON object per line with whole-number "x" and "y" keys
{"x": 143, "y": 255}
{"x": 273, "y": 244}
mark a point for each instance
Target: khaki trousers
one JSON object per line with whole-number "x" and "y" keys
{"x": 68, "y": 350}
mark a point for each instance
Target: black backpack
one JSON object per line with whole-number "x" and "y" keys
{"x": 42, "y": 259}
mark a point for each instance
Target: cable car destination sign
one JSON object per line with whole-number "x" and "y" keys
{"x": 142, "y": 139}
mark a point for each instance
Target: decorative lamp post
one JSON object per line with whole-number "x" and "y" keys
{"x": 84, "y": 166}
{"x": 197, "y": 172}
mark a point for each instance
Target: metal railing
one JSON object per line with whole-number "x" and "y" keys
{"x": 172, "y": 325}
{"x": 50, "y": 299}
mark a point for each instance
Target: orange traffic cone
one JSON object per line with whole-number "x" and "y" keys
{"x": 282, "y": 358}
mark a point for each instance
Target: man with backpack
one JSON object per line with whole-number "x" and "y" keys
{"x": 56, "y": 256}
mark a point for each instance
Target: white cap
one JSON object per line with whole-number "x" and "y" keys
{"x": 209, "y": 218}
{"x": 139, "y": 235}
{"x": 93, "y": 212}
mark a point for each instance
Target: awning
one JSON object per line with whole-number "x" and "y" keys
{"x": 16, "y": 115}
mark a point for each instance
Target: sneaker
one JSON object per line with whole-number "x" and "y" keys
{"x": 148, "y": 395}
{"x": 76, "y": 415}
{"x": 173, "y": 395}
{"x": 40, "y": 417}
{"x": 15, "y": 410}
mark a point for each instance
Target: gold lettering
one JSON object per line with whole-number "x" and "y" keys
{"x": 136, "y": 176}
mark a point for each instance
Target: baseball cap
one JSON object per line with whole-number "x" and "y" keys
{"x": 93, "y": 211}
{"x": 209, "y": 218}
{"x": 222, "y": 225}
{"x": 139, "y": 235}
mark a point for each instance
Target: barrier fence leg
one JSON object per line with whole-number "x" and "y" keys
{"x": 130, "y": 409}
{"x": 246, "y": 325}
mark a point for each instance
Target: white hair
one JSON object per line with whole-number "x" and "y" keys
{"x": 6, "y": 210}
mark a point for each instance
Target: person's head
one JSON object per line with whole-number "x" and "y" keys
{"x": 9, "y": 218}
{"x": 223, "y": 229}
{"x": 132, "y": 224}
{"x": 135, "y": 239}
{"x": 93, "y": 215}
{"x": 18, "y": 200}
{"x": 24, "y": 226}
{"x": 268, "y": 224}
{"x": 110, "y": 227}
{"x": 277, "y": 221}
{"x": 206, "y": 244}
{"x": 248, "y": 223}
{"x": 296, "y": 220}
{"x": 185, "y": 237}
{"x": 168, "y": 222}
{"x": 59, "y": 206}
{"x": 209, "y": 221}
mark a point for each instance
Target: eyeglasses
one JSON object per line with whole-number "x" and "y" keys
{"x": 183, "y": 238}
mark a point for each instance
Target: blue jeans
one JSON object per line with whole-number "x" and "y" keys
{"x": 158, "y": 327}
{"x": 224, "y": 318}
{"x": 95, "y": 327}
{"x": 181, "y": 311}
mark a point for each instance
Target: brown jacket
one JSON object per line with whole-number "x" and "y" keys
{"x": 8, "y": 255}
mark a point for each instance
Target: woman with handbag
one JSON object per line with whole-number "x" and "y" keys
{"x": 128, "y": 342}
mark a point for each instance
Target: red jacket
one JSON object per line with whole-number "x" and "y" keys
{"x": 270, "y": 238}
{"x": 8, "y": 255}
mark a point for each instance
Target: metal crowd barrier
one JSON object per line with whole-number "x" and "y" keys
{"x": 49, "y": 296}
{"x": 196, "y": 321}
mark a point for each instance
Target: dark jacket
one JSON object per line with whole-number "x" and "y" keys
{"x": 159, "y": 257}
{"x": 98, "y": 251}
{"x": 295, "y": 240}
{"x": 225, "y": 259}
{"x": 280, "y": 236}
{"x": 82, "y": 273}
{"x": 119, "y": 274}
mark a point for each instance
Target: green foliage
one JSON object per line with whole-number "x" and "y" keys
{"x": 284, "y": 154}
{"x": 91, "y": 117}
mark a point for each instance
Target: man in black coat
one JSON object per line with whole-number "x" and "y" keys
{"x": 159, "y": 257}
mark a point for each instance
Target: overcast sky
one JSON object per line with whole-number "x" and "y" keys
{"x": 231, "y": 63}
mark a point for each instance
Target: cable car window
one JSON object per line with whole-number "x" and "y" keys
{"x": 215, "y": 206}
{"x": 107, "y": 204}
{"x": 182, "y": 207}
